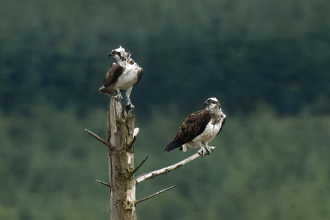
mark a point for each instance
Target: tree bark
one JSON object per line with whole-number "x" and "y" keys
{"x": 121, "y": 163}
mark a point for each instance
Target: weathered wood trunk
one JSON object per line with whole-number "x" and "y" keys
{"x": 121, "y": 163}
{"x": 122, "y": 182}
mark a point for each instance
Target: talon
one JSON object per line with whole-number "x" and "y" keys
{"x": 202, "y": 152}
{"x": 208, "y": 150}
{"x": 130, "y": 105}
{"x": 118, "y": 97}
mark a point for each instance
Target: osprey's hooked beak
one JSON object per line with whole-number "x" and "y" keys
{"x": 205, "y": 104}
{"x": 110, "y": 54}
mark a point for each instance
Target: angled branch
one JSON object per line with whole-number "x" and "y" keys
{"x": 138, "y": 167}
{"x": 103, "y": 183}
{"x": 164, "y": 170}
{"x": 97, "y": 137}
{"x": 155, "y": 194}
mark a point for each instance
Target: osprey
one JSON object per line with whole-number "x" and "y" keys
{"x": 199, "y": 128}
{"x": 122, "y": 75}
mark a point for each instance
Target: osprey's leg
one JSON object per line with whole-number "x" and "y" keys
{"x": 118, "y": 97}
{"x": 202, "y": 151}
{"x": 205, "y": 150}
{"x": 128, "y": 100}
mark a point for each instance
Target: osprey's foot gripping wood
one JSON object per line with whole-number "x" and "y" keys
{"x": 129, "y": 105}
{"x": 118, "y": 97}
{"x": 204, "y": 151}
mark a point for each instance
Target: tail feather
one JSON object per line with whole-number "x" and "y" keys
{"x": 172, "y": 145}
{"x": 103, "y": 89}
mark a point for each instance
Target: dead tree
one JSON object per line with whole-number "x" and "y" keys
{"x": 122, "y": 181}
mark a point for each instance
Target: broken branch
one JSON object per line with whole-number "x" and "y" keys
{"x": 155, "y": 194}
{"x": 97, "y": 137}
{"x": 138, "y": 167}
{"x": 103, "y": 183}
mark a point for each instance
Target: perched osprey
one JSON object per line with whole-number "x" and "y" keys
{"x": 199, "y": 128}
{"x": 122, "y": 75}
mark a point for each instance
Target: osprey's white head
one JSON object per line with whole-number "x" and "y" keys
{"x": 212, "y": 103}
{"x": 120, "y": 55}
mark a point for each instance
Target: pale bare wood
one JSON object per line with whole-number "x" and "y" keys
{"x": 165, "y": 170}
{"x": 138, "y": 167}
{"x": 121, "y": 163}
{"x": 103, "y": 183}
{"x": 108, "y": 123}
{"x": 97, "y": 137}
{"x": 155, "y": 194}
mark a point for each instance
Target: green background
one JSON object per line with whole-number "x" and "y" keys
{"x": 266, "y": 61}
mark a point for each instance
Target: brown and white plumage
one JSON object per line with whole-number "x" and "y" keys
{"x": 199, "y": 128}
{"x": 122, "y": 75}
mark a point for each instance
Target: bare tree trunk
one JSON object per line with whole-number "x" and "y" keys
{"x": 121, "y": 163}
{"x": 122, "y": 183}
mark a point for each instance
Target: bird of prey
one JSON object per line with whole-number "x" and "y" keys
{"x": 122, "y": 75}
{"x": 199, "y": 128}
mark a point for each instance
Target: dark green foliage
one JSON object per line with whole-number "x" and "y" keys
{"x": 240, "y": 52}
{"x": 264, "y": 167}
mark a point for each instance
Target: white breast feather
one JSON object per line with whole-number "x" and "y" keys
{"x": 127, "y": 78}
{"x": 211, "y": 130}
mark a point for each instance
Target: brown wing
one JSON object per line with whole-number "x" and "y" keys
{"x": 112, "y": 75}
{"x": 139, "y": 74}
{"x": 193, "y": 126}
{"x": 223, "y": 123}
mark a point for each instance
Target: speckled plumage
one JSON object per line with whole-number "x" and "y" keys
{"x": 122, "y": 75}
{"x": 199, "y": 128}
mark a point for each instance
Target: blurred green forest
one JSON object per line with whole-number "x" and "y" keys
{"x": 266, "y": 61}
